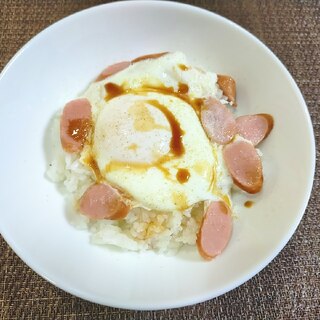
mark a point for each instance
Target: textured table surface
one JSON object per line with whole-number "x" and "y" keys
{"x": 289, "y": 288}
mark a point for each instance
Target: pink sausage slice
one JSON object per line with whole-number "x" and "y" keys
{"x": 217, "y": 121}
{"x": 244, "y": 165}
{"x": 149, "y": 56}
{"x": 101, "y": 201}
{"x": 75, "y": 125}
{"x": 255, "y": 128}
{"x": 215, "y": 230}
{"x": 228, "y": 86}
{"x": 113, "y": 69}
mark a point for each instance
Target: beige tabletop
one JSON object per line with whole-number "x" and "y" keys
{"x": 289, "y": 287}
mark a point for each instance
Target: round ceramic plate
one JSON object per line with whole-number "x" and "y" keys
{"x": 57, "y": 65}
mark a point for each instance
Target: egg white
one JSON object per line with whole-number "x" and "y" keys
{"x": 136, "y": 157}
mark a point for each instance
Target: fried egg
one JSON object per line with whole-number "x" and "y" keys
{"x": 148, "y": 140}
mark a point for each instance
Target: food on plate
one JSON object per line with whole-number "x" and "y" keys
{"x": 101, "y": 201}
{"x": 255, "y": 128}
{"x": 75, "y": 125}
{"x": 228, "y": 87}
{"x": 150, "y": 154}
{"x": 244, "y": 165}
{"x": 218, "y": 121}
{"x": 110, "y": 70}
{"x": 215, "y": 230}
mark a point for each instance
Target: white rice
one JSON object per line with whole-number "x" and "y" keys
{"x": 140, "y": 230}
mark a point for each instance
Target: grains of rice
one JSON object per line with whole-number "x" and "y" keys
{"x": 140, "y": 230}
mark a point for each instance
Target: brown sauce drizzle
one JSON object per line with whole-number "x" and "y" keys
{"x": 183, "y": 175}
{"x": 116, "y": 165}
{"x": 197, "y": 105}
{"x": 248, "y": 204}
{"x": 176, "y": 145}
{"x": 113, "y": 90}
{"x": 92, "y": 163}
{"x": 183, "y": 88}
{"x": 79, "y": 129}
{"x": 176, "y": 149}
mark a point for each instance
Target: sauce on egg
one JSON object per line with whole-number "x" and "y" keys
{"x": 183, "y": 88}
{"x": 143, "y": 120}
{"x": 92, "y": 163}
{"x": 197, "y": 105}
{"x": 137, "y": 166}
{"x": 183, "y": 175}
{"x": 176, "y": 144}
{"x": 113, "y": 90}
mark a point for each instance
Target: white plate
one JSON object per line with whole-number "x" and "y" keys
{"x": 57, "y": 65}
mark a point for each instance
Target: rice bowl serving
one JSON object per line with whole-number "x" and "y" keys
{"x": 46, "y": 82}
{"x": 150, "y": 154}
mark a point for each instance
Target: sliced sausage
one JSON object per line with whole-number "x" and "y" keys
{"x": 75, "y": 125}
{"x": 217, "y": 121}
{"x": 244, "y": 165}
{"x": 101, "y": 201}
{"x": 113, "y": 69}
{"x": 255, "y": 128}
{"x": 149, "y": 56}
{"x": 215, "y": 230}
{"x": 228, "y": 86}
